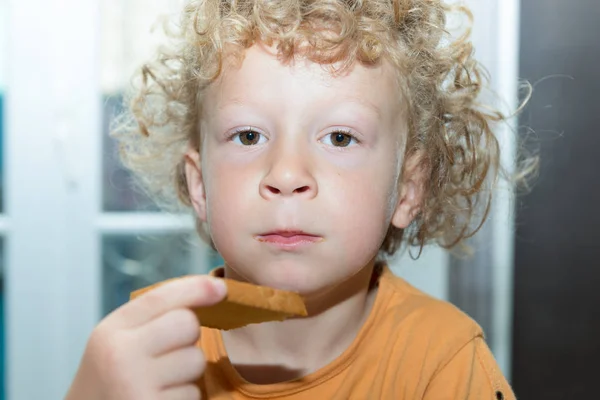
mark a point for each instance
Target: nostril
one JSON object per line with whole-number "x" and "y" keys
{"x": 302, "y": 189}
{"x": 273, "y": 190}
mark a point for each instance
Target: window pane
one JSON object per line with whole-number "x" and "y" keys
{"x": 2, "y": 326}
{"x": 132, "y": 262}
{"x": 119, "y": 193}
{"x": 2, "y": 95}
{"x": 131, "y": 30}
{"x": 3, "y": 43}
{"x": 3, "y": 49}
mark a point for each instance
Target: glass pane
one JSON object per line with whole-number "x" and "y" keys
{"x": 119, "y": 193}
{"x": 3, "y": 79}
{"x": 130, "y": 34}
{"x": 2, "y": 326}
{"x": 2, "y": 96}
{"x": 132, "y": 262}
{"x": 3, "y": 42}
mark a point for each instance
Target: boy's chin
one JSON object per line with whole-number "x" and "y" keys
{"x": 296, "y": 277}
{"x": 310, "y": 279}
{"x": 299, "y": 282}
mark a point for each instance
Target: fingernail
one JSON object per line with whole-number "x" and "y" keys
{"x": 220, "y": 287}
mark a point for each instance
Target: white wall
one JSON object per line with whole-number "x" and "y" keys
{"x": 428, "y": 273}
{"x": 496, "y": 38}
{"x": 3, "y": 39}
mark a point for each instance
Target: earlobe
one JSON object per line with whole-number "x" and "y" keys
{"x": 195, "y": 183}
{"x": 411, "y": 196}
{"x": 406, "y": 209}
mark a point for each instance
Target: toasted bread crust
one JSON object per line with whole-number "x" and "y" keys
{"x": 245, "y": 304}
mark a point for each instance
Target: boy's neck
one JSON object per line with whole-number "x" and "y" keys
{"x": 276, "y": 352}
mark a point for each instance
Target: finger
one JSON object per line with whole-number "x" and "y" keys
{"x": 179, "y": 367}
{"x": 194, "y": 291}
{"x": 173, "y": 330}
{"x": 187, "y": 392}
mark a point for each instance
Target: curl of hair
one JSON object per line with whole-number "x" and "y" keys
{"x": 449, "y": 130}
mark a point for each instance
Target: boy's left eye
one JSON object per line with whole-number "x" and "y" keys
{"x": 248, "y": 137}
{"x": 340, "y": 139}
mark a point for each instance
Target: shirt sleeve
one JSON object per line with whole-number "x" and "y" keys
{"x": 471, "y": 374}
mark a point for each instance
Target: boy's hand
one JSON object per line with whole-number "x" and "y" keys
{"x": 146, "y": 349}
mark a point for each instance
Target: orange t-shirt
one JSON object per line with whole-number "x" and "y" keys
{"x": 412, "y": 346}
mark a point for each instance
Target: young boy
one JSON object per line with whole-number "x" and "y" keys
{"x": 311, "y": 138}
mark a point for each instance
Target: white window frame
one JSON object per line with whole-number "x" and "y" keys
{"x": 54, "y": 222}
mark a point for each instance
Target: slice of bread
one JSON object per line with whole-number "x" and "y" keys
{"x": 245, "y": 304}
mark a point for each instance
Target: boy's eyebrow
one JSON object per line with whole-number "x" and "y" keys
{"x": 357, "y": 100}
{"x": 234, "y": 100}
{"x": 364, "y": 103}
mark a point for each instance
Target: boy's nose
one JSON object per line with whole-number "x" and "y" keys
{"x": 289, "y": 176}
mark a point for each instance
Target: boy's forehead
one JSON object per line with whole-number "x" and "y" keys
{"x": 259, "y": 71}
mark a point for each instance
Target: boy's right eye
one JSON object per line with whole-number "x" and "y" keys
{"x": 248, "y": 137}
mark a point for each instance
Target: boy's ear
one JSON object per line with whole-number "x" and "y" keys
{"x": 195, "y": 183}
{"x": 412, "y": 191}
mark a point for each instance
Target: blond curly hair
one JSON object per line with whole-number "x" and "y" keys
{"x": 440, "y": 78}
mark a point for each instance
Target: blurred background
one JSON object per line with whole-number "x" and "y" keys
{"x": 76, "y": 239}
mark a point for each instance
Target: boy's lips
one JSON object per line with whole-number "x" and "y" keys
{"x": 289, "y": 239}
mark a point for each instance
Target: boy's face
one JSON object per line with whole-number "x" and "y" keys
{"x": 298, "y": 172}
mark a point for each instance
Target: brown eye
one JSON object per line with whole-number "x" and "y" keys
{"x": 340, "y": 139}
{"x": 249, "y": 138}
